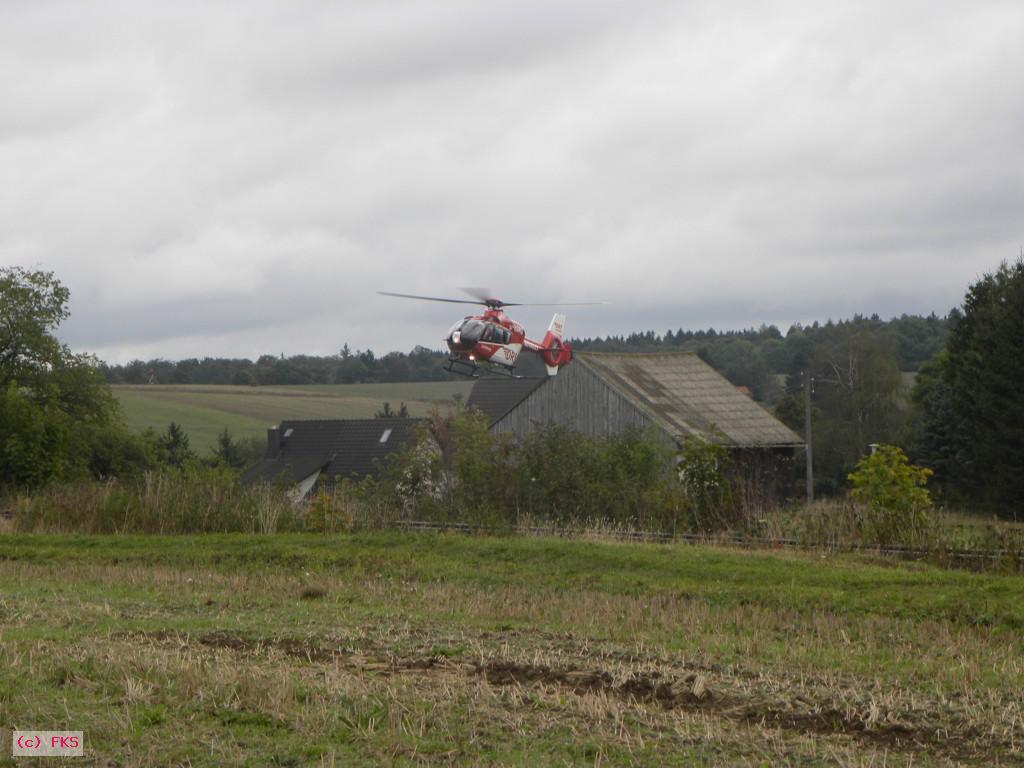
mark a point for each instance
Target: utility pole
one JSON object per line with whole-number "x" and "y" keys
{"x": 808, "y": 384}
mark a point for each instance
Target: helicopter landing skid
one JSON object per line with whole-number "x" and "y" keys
{"x": 463, "y": 368}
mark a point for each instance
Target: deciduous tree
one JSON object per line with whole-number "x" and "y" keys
{"x": 32, "y": 305}
{"x": 58, "y": 418}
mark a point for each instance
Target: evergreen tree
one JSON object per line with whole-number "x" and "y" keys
{"x": 984, "y": 374}
{"x": 227, "y": 452}
{"x": 931, "y": 441}
{"x": 387, "y": 412}
{"x": 174, "y": 445}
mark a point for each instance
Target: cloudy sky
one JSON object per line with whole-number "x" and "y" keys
{"x": 229, "y": 179}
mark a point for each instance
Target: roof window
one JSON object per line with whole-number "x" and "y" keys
{"x": 384, "y": 437}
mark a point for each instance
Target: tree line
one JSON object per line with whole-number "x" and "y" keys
{"x": 753, "y": 358}
{"x": 347, "y": 367}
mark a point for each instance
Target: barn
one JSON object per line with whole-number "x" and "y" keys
{"x": 674, "y": 394}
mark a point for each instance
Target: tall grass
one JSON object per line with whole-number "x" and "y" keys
{"x": 843, "y": 522}
{"x": 161, "y": 502}
{"x": 172, "y": 502}
{"x": 557, "y": 482}
{"x": 948, "y": 538}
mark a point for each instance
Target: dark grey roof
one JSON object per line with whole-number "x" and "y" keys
{"x": 497, "y": 395}
{"x": 686, "y": 396}
{"x": 338, "y": 447}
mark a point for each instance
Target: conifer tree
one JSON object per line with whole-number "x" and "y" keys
{"x": 985, "y": 376}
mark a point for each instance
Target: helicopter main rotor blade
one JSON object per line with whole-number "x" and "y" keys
{"x": 487, "y": 298}
{"x": 563, "y": 304}
{"x": 426, "y": 298}
{"x": 484, "y": 298}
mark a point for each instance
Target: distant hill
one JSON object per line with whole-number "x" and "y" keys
{"x": 204, "y": 411}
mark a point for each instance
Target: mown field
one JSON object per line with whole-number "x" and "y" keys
{"x": 205, "y": 411}
{"x": 432, "y": 649}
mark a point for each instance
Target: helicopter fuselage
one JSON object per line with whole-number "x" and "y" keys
{"x": 495, "y": 339}
{"x": 492, "y": 337}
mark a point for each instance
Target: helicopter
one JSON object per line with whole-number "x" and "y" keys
{"x": 493, "y": 340}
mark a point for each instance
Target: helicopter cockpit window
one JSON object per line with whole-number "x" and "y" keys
{"x": 471, "y": 331}
{"x": 496, "y": 334}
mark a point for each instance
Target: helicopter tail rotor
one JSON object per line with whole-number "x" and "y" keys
{"x": 555, "y": 352}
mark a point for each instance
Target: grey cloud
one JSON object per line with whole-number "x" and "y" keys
{"x": 245, "y": 176}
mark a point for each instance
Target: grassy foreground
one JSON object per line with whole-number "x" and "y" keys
{"x": 411, "y": 649}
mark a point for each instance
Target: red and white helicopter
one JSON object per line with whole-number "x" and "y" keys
{"x": 494, "y": 340}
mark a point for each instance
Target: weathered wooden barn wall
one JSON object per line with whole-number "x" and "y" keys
{"x": 578, "y": 399}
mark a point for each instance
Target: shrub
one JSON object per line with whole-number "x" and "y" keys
{"x": 347, "y": 505}
{"x": 459, "y": 472}
{"x": 893, "y": 493}
{"x": 564, "y": 477}
{"x": 703, "y": 467}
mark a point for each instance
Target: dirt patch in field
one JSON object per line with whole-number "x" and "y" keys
{"x": 300, "y": 649}
{"x": 689, "y": 690}
{"x": 366, "y": 657}
{"x": 692, "y": 691}
{"x": 736, "y": 695}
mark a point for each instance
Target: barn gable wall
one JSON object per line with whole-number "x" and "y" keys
{"x": 578, "y": 399}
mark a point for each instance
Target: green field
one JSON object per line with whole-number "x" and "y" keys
{"x": 205, "y": 411}
{"x": 425, "y": 649}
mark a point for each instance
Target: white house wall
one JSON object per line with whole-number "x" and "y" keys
{"x": 298, "y": 493}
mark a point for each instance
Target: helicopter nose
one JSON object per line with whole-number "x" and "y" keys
{"x": 454, "y": 341}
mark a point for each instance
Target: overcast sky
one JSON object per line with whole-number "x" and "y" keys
{"x": 230, "y": 179}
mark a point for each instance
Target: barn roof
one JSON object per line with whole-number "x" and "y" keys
{"x": 686, "y": 396}
{"x": 337, "y": 447}
{"x": 497, "y": 395}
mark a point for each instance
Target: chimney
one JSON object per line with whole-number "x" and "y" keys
{"x": 273, "y": 443}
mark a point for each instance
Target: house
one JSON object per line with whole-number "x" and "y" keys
{"x": 602, "y": 394}
{"x": 312, "y": 454}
